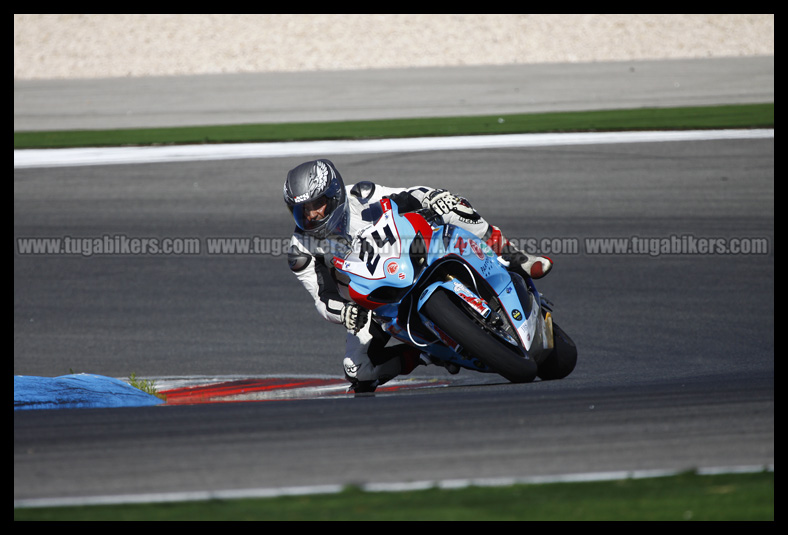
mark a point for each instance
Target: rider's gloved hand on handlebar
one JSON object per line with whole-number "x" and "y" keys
{"x": 442, "y": 202}
{"x": 353, "y": 317}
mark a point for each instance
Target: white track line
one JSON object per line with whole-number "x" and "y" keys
{"x": 27, "y": 158}
{"x": 447, "y": 484}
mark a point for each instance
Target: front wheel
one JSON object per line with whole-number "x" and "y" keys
{"x": 562, "y": 359}
{"x": 476, "y": 341}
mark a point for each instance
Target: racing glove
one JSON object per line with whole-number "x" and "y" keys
{"x": 442, "y": 202}
{"x": 353, "y": 317}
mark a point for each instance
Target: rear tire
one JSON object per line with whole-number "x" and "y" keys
{"x": 464, "y": 330}
{"x": 562, "y": 359}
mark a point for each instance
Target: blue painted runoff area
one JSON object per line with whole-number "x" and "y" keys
{"x": 77, "y": 391}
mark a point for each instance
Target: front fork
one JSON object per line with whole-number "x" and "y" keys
{"x": 535, "y": 332}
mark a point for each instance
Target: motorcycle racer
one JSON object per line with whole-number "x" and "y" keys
{"x": 327, "y": 214}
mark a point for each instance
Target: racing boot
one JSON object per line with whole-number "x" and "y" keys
{"x": 362, "y": 387}
{"x": 428, "y": 360}
{"x": 532, "y": 266}
{"x": 381, "y": 366}
{"x": 535, "y": 267}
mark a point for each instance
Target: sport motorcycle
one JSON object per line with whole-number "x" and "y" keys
{"x": 443, "y": 290}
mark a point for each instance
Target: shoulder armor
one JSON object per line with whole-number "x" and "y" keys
{"x": 363, "y": 191}
{"x": 297, "y": 259}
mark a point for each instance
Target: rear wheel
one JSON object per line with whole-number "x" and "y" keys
{"x": 476, "y": 341}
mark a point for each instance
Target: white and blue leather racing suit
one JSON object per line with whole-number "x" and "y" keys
{"x": 367, "y": 362}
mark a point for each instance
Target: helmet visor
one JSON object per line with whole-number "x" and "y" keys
{"x": 321, "y": 217}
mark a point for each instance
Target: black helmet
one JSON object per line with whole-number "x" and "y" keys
{"x": 314, "y": 181}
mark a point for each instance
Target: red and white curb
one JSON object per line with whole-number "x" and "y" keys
{"x": 197, "y": 390}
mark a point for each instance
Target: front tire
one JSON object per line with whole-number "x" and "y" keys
{"x": 464, "y": 330}
{"x": 562, "y": 359}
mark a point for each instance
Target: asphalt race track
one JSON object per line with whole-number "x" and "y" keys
{"x": 676, "y": 347}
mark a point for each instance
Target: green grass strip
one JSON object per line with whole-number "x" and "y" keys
{"x": 709, "y": 117}
{"x": 683, "y": 497}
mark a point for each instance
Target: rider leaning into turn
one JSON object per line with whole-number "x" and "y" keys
{"x": 323, "y": 207}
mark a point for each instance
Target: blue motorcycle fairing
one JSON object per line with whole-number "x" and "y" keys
{"x": 392, "y": 262}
